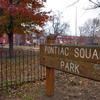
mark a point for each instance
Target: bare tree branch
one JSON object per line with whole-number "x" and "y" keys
{"x": 96, "y": 5}
{"x": 57, "y": 26}
{"x": 93, "y": 2}
{"x": 72, "y": 4}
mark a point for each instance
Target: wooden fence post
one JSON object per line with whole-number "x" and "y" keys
{"x": 50, "y": 73}
{"x": 50, "y": 81}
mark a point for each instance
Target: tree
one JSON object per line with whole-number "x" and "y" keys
{"x": 56, "y": 25}
{"x": 96, "y": 4}
{"x": 14, "y": 13}
{"x": 89, "y": 28}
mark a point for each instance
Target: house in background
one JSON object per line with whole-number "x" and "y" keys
{"x": 3, "y": 39}
{"x": 76, "y": 40}
{"x": 18, "y": 39}
{"x": 67, "y": 39}
{"x": 32, "y": 39}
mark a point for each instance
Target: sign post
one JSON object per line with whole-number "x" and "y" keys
{"x": 50, "y": 73}
{"x": 50, "y": 81}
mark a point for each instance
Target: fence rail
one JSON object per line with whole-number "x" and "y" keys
{"x": 23, "y": 66}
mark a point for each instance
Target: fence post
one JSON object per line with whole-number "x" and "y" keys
{"x": 50, "y": 73}
{"x": 50, "y": 81}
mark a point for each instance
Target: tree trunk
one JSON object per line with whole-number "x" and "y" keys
{"x": 10, "y": 34}
{"x": 10, "y": 39}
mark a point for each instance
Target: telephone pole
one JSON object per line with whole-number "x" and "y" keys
{"x": 76, "y": 20}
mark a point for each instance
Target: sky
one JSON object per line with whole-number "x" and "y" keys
{"x": 69, "y": 12}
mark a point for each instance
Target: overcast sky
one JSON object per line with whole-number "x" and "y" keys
{"x": 69, "y": 13}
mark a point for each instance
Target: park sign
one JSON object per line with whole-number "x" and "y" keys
{"x": 78, "y": 60}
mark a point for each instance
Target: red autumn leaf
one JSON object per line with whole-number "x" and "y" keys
{"x": 25, "y": 13}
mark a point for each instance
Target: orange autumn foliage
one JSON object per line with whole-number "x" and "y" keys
{"x": 22, "y": 13}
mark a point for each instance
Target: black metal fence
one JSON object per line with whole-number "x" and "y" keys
{"x": 20, "y": 67}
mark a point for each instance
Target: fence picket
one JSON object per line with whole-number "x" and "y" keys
{"x": 22, "y": 67}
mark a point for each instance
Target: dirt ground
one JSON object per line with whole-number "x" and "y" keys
{"x": 67, "y": 87}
